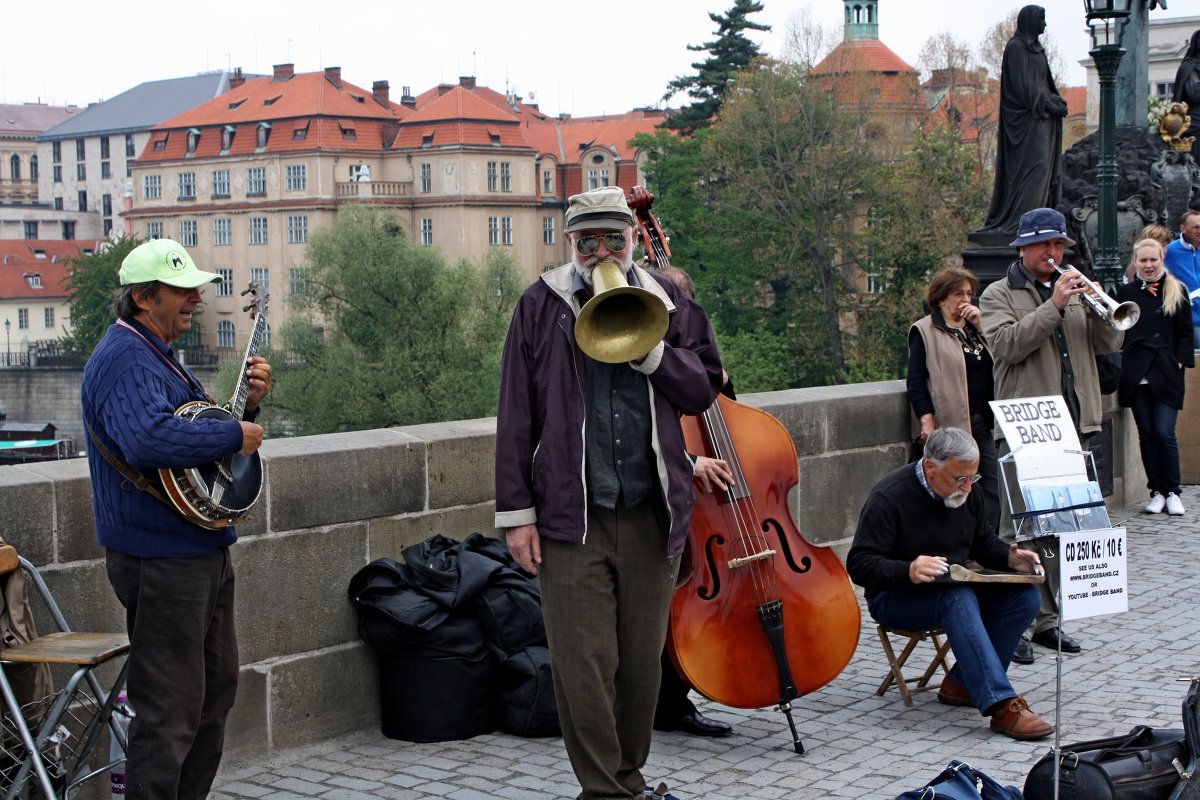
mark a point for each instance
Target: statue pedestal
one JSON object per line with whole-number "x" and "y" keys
{"x": 1188, "y": 428}
{"x": 1178, "y": 176}
{"x": 988, "y": 255}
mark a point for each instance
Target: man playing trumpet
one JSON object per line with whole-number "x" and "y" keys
{"x": 594, "y": 488}
{"x": 1044, "y": 341}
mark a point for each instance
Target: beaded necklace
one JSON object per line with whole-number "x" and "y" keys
{"x": 971, "y": 343}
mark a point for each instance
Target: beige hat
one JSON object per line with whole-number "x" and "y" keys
{"x": 600, "y": 210}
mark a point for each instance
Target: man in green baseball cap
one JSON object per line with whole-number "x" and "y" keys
{"x": 174, "y": 578}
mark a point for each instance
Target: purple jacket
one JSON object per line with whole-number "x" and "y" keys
{"x": 543, "y": 405}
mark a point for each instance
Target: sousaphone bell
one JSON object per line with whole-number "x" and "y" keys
{"x": 621, "y": 322}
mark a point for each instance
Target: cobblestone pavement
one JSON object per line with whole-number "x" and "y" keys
{"x": 857, "y": 744}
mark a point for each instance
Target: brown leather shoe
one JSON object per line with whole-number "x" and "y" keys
{"x": 1014, "y": 719}
{"x": 953, "y": 693}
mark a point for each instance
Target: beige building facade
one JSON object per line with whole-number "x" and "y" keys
{"x": 244, "y": 180}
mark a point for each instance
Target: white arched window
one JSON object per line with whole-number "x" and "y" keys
{"x": 225, "y": 334}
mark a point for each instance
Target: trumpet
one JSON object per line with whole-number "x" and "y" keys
{"x": 1121, "y": 316}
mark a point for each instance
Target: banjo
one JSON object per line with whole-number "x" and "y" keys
{"x": 220, "y": 493}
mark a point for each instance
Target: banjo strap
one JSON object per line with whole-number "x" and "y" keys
{"x": 136, "y": 478}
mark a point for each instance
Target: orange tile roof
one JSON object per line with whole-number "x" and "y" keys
{"x": 324, "y": 112}
{"x": 20, "y": 256}
{"x": 976, "y": 111}
{"x": 865, "y": 72}
{"x": 1076, "y": 97}
{"x": 265, "y": 99}
{"x": 460, "y": 103}
{"x": 455, "y": 115}
{"x": 609, "y": 131}
{"x": 861, "y": 55}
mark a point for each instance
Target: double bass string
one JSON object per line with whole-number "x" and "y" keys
{"x": 755, "y": 555}
{"x": 753, "y": 545}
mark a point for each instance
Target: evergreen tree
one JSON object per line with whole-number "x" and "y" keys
{"x": 730, "y": 53}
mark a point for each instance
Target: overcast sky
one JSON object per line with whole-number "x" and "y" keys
{"x": 582, "y": 59}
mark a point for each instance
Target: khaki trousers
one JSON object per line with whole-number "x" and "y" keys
{"x": 606, "y": 604}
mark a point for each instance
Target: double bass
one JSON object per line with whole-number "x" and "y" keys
{"x": 764, "y": 617}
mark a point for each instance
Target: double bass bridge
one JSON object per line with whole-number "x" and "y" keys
{"x": 734, "y": 563}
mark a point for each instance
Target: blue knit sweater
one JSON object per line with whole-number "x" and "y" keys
{"x": 130, "y": 393}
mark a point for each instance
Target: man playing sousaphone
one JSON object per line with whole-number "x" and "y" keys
{"x": 593, "y": 486}
{"x": 174, "y": 578}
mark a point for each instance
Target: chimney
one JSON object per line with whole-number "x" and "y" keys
{"x": 381, "y": 91}
{"x": 467, "y": 82}
{"x": 237, "y": 78}
{"x": 334, "y": 76}
{"x": 284, "y": 72}
{"x": 406, "y": 98}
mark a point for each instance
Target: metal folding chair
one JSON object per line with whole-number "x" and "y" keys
{"x": 47, "y": 742}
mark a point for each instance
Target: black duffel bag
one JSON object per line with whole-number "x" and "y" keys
{"x": 1144, "y": 764}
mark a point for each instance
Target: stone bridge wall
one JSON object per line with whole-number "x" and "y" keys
{"x": 333, "y": 503}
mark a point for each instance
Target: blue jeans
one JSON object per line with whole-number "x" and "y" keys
{"x": 1155, "y": 422}
{"x": 983, "y": 625}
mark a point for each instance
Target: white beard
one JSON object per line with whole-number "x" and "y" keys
{"x": 584, "y": 267}
{"x": 956, "y": 499}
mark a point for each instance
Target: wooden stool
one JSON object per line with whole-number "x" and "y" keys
{"x": 896, "y": 663}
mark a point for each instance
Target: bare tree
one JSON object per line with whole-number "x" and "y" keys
{"x": 943, "y": 51}
{"x": 806, "y": 41}
{"x": 991, "y": 48}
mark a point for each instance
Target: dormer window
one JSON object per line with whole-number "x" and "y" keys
{"x": 236, "y": 103}
{"x": 227, "y": 137}
{"x": 160, "y": 142}
{"x": 34, "y": 279}
{"x": 427, "y": 139}
{"x": 271, "y": 100}
{"x": 263, "y": 134}
{"x": 193, "y": 139}
{"x": 300, "y": 131}
{"x": 347, "y": 127}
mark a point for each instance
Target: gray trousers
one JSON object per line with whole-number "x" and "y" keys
{"x": 606, "y": 603}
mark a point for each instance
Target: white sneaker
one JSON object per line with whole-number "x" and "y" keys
{"x": 1174, "y": 505}
{"x": 1156, "y": 504}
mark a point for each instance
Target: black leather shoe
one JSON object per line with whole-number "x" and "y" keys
{"x": 1024, "y": 652}
{"x": 1053, "y": 638}
{"x": 696, "y": 724}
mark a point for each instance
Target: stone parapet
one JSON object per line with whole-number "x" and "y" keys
{"x": 333, "y": 503}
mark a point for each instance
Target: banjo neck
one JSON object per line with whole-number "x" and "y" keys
{"x": 258, "y": 308}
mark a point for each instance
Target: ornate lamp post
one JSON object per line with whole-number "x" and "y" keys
{"x": 1106, "y": 19}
